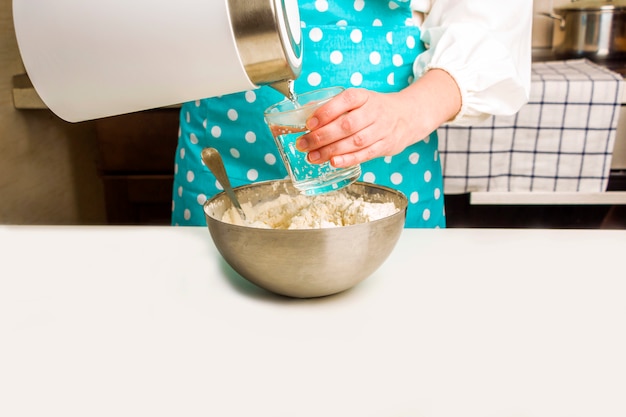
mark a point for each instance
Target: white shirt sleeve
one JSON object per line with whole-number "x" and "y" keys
{"x": 485, "y": 45}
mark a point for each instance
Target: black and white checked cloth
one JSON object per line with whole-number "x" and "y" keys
{"x": 562, "y": 140}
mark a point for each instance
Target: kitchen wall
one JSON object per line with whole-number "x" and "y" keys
{"x": 48, "y": 172}
{"x": 542, "y": 25}
{"x": 47, "y": 166}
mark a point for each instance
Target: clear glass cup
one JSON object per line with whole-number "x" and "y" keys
{"x": 286, "y": 121}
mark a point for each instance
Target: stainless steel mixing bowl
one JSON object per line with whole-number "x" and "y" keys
{"x": 305, "y": 263}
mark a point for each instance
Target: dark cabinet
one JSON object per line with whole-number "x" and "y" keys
{"x": 136, "y": 164}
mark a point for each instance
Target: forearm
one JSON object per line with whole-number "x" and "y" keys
{"x": 431, "y": 101}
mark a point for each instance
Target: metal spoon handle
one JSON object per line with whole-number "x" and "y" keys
{"x": 213, "y": 160}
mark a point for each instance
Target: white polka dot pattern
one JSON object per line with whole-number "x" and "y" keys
{"x": 316, "y": 34}
{"x": 336, "y": 57}
{"x": 355, "y": 43}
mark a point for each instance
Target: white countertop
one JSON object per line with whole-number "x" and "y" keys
{"x": 150, "y": 321}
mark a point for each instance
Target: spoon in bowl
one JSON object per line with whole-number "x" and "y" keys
{"x": 213, "y": 160}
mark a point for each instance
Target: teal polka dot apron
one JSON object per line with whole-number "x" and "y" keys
{"x": 353, "y": 43}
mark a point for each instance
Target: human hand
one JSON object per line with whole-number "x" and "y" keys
{"x": 359, "y": 125}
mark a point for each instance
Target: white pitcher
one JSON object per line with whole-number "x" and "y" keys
{"x": 89, "y": 59}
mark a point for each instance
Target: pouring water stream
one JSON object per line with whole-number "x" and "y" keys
{"x": 213, "y": 160}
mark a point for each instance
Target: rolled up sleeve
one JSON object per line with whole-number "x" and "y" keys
{"x": 485, "y": 45}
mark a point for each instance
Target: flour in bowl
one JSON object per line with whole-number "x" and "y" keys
{"x": 335, "y": 209}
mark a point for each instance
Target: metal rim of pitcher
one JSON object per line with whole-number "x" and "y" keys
{"x": 268, "y": 41}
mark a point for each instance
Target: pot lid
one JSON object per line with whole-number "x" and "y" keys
{"x": 591, "y": 5}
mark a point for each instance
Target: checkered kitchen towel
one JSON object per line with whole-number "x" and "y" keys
{"x": 562, "y": 140}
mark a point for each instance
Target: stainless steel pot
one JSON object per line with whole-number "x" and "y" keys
{"x": 593, "y": 29}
